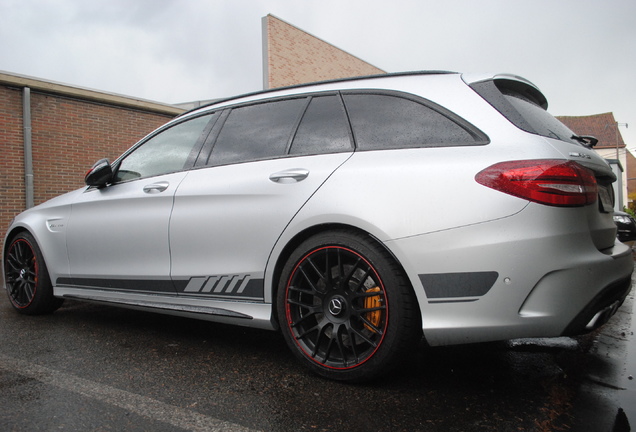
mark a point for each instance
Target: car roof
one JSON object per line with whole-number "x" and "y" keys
{"x": 341, "y": 84}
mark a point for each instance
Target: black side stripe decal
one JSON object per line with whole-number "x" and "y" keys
{"x": 234, "y": 286}
{"x": 227, "y": 286}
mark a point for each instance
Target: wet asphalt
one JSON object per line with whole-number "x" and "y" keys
{"x": 98, "y": 368}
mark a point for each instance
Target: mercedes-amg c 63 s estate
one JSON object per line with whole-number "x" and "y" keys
{"x": 355, "y": 216}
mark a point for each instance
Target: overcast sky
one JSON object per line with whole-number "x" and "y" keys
{"x": 580, "y": 53}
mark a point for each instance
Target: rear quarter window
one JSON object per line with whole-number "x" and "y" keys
{"x": 393, "y": 121}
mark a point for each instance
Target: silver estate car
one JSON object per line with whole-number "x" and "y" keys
{"x": 322, "y": 211}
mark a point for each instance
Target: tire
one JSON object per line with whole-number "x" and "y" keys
{"x": 345, "y": 307}
{"x": 27, "y": 278}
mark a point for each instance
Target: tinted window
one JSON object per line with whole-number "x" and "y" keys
{"x": 524, "y": 107}
{"x": 257, "y": 132}
{"x": 323, "y": 129}
{"x": 387, "y": 121}
{"x": 165, "y": 152}
{"x": 540, "y": 121}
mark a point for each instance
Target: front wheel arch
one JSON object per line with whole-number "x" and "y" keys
{"x": 26, "y": 275}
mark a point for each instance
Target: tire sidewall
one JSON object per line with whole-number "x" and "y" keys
{"x": 382, "y": 359}
{"x": 43, "y": 300}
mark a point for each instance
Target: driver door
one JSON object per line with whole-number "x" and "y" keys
{"x": 117, "y": 235}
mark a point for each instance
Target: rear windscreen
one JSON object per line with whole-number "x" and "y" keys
{"x": 524, "y": 106}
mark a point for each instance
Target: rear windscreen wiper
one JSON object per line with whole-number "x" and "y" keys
{"x": 586, "y": 140}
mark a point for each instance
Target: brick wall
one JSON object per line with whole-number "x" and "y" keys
{"x": 12, "y": 197}
{"x": 293, "y": 56}
{"x": 68, "y": 134}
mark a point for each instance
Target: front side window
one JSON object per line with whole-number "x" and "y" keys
{"x": 166, "y": 152}
{"x": 382, "y": 121}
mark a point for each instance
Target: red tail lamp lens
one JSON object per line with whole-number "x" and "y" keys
{"x": 551, "y": 182}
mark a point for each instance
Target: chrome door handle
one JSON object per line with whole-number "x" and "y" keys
{"x": 156, "y": 187}
{"x": 290, "y": 175}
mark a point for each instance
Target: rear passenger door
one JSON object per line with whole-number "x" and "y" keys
{"x": 262, "y": 163}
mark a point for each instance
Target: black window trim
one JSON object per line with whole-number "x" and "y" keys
{"x": 210, "y": 141}
{"x": 294, "y": 130}
{"x": 207, "y": 130}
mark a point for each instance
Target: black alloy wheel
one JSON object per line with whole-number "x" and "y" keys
{"x": 346, "y": 309}
{"x": 26, "y": 277}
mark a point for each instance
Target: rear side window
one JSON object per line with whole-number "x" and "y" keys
{"x": 323, "y": 129}
{"x": 257, "y": 132}
{"x": 524, "y": 107}
{"x": 391, "y": 121}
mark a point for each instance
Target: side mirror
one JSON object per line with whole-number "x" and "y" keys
{"x": 100, "y": 174}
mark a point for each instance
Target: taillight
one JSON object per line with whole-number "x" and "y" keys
{"x": 558, "y": 183}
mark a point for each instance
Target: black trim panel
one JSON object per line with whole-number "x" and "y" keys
{"x": 453, "y": 286}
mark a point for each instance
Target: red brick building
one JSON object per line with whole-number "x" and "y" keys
{"x": 293, "y": 56}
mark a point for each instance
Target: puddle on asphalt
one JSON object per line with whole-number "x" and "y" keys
{"x": 619, "y": 354}
{"x": 627, "y": 397}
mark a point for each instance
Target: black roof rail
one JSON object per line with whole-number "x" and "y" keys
{"x": 310, "y": 84}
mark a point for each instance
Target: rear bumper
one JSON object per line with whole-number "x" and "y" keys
{"x": 521, "y": 279}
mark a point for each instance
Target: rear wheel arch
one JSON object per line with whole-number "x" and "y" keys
{"x": 297, "y": 240}
{"x": 404, "y": 329}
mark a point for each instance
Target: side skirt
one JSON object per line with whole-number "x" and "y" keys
{"x": 247, "y": 314}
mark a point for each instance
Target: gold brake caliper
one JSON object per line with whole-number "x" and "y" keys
{"x": 371, "y": 302}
